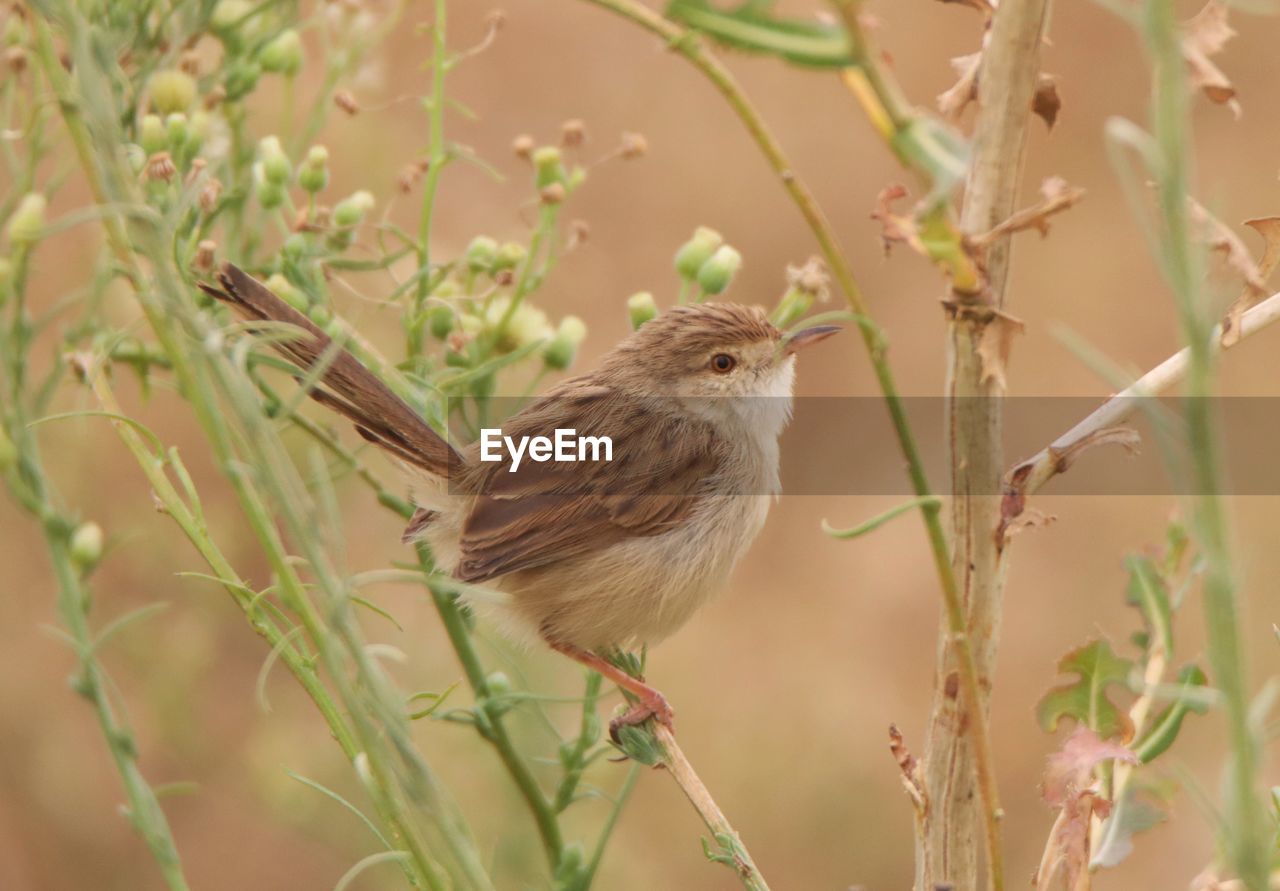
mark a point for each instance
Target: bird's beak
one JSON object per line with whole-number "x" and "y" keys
{"x": 806, "y": 336}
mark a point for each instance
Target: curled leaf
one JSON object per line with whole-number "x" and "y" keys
{"x": 1046, "y": 103}
{"x": 1269, "y": 229}
{"x": 895, "y": 227}
{"x": 954, "y": 100}
{"x": 1203, "y": 36}
{"x": 1056, "y": 195}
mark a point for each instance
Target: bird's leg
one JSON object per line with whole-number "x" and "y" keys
{"x": 650, "y": 704}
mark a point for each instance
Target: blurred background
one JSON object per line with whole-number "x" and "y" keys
{"x": 786, "y": 684}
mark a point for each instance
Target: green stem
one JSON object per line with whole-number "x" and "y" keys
{"x": 436, "y": 158}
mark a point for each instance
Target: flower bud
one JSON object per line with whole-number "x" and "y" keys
{"x": 314, "y": 173}
{"x": 547, "y": 167}
{"x": 176, "y": 130}
{"x": 696, "y": 251}
{"x": 715, "y": 274}
{"x": 509, "y": 256}
{"x": 86, "y": 546}
{"x": 294, "y": 247}
{"x": 563, "y": 348}
{"x": 276, "y": 168}
{"x": 210, "y": 195}
{"x": 171, "y": 90}
{"x": 15, "y": 59}
{"x": 241, "y": 77}
{"x": 791, "y": 308}
{"x": 284, "y": 289}
{"x": 641, "y": 308}
{"x": 523, "y": 146}
{"x": 481, "y": 254}
{"x": 205, "y": 254}
{"x": 283, "y": 55}
{"x": 552, "y": 194}
{"x": 269, "y": 194}
{"x": 573, "y": 133}
{"x": 136, "y": 156}
{"x": 227, "y": 16}
{"x": 527, "y": 324}
{"x": 497, "y": 684}
{"x": 8, "y": 452}
{"x": 160, "y": 167}
{"x": 351, "y": 210}
{"x": 440, "y": 318}
{"x": 634, "y": 145}
{"x": 152, "y": 135}
{"x": 28, "y": 220}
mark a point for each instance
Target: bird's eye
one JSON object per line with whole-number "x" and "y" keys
{"x": 722, "y": 363}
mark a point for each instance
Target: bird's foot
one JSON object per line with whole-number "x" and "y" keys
{"x": 651, "y": 704}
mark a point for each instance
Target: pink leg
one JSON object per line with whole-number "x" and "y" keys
{"x": 652, "y": 704}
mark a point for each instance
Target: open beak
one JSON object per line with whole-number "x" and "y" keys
{"x": 806, "y": 336}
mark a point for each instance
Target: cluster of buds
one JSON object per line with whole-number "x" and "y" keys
{"x": 170, "y": 135}
{"x": 484, "y": 256}
{"x": 551, "y": 178}
{"x": 347, "y": 215}
{"x": 708, "y": 261}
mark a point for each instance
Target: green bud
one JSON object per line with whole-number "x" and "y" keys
{"x": 314, "y": 173}
{"x": 497, "y": 684}
{"x": 241, "y": 77}
{"x": 176, "y": 129}
{"x": 269, "y": 194}
{"x": 570, "y": 866}
{"x": 137, "y": 157}
{"x": 284, "y": 289}
{"x": 319, "y": 313}
{"x": 481, "y": 254}
{"x": 696, "y": 251}
{"x": 276, "y": 168}
{"x": 715, "y": 274}
{"x": 547, "y": 167}
{"x": 227, "y": 15}
{"x": 563, "y": 348}
{"x": 527, "y": 324}
{"x": 470, "y": 324}
{"x": 283, "y": 55}
{"x": 641, "y": 308}
{"x": 333, "y": 328}
{"x": 171, "y": 90}
{"x": 8, "y": 452}
{"x": 791, "y": 308}
{"x": 294, "y": 247}
{"x": 510, "y": 255}
{"x": 351, "y": 210}
{"x": 440, "y": 319}
{"x": 28, "y": 220}
{"x": 86, "y": 546}
{"x": 152, "y": 135}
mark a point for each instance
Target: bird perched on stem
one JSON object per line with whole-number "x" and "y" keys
{"x": 601, "y": 554}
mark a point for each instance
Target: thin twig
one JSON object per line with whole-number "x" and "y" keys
{"x": 1031, "y": 475}
{"x": 695, "y": 790}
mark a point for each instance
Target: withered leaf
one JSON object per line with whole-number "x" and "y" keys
{"x": 953, "y": 101}
{"x": 1056, "y": 195}
{"x": 1046, "y": 103}
{"x": 1067, "y": 785}
{"x": 1028, "y": 519}
{"x": 1203, "y": 36}
{"x": 1223, "y": 241}
{"x": 994, "y": 345}
{"x": 1269, "y": 229}
{"x": 894, "y": 227}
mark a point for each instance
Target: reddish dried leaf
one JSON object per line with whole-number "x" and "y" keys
{"x": 995, "y": 344}
{"x": 1269, "y": 229}
{"x": 1203, "y": 36}
{"x": 1070, "y": 770}
{"x": 1222, "y": 240}
{"x": 1056, "y": 194}
{"x": 1046, "y": 103}
{"x": 1028, "y": 519}
{"x": 895, "y": 228}
{"x": 953, "y": 102}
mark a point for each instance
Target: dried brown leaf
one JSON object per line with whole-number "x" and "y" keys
{"x": 953, "y": 102}
{"x": 1223, "y": 241}
{"x": 895, "y": 228}
{"x": 1046, "y": 103}
{"x": 1204, "y": 36}
{"x": 1056, "y": 194}
{"x": 1269, "y": 229}
{"x": 1027, "y": 519}
{"x": 994, "y": 345}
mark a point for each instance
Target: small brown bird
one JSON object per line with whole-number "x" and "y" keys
{"x": 597, "y": 554}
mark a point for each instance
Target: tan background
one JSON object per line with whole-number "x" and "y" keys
{"x": 786, "y": 684}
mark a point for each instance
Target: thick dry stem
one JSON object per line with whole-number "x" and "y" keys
{"x": 955, "y": 779}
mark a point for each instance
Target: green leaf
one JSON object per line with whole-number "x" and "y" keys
{"x": 1165, "y": 727}
{"x": 748, "y": 27}
{"x": 1148, "y": 592}
{"x": 1086, "y": 699}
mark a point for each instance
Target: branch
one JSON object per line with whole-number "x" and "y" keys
{"x": 1103, "y": 425}
{"x": 734, "y": 852}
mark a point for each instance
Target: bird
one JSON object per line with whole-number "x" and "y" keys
{"x": 600, "y": 555}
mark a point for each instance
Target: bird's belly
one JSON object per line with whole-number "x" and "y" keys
{"x": 641, "y": 590}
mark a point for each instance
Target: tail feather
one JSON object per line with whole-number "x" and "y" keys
{"x": 348, "y": 388}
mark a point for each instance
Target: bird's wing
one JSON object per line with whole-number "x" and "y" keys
{"x": 554, "y": 510}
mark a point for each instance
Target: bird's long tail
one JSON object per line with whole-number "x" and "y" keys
{"x": 346, "y": 386}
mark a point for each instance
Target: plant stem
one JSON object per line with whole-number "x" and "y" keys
{"x": 1246, "y": 834}
{"x": 436, "y": 158}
